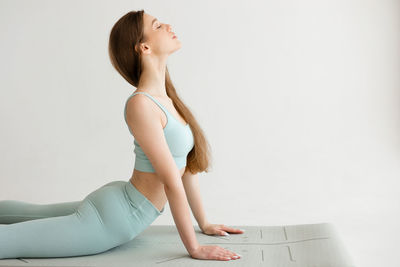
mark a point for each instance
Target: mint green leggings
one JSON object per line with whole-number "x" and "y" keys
{"x": 108, "y": 217}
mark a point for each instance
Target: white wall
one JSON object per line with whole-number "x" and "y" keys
{"x": 299, "y": 101}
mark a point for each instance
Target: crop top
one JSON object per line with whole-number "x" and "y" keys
{"x": 178, "y": 136}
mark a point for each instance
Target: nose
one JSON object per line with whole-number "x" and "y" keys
{"x": 169, "y": 27}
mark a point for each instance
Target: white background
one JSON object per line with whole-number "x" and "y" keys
{"x": 298, "y": 99}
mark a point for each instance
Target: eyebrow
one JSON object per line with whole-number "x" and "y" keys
{"x": 153, "y": 21}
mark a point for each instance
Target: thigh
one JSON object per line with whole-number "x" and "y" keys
{"x": 80, "y": 233}
{"x": 14, "y": 211}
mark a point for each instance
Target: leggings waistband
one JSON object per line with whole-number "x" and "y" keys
{"x": 141, "y": 201}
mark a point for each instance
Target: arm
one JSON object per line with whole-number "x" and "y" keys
{"x": 181, "y": 214}
{"x": 192, "y": 189}
{"x": 145, "y": 124}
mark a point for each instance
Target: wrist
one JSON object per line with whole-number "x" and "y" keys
{"x": 202, "y": 225}
{"x": 193, "y": 248}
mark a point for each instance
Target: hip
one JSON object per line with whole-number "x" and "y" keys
{"x": 120, "y": 205}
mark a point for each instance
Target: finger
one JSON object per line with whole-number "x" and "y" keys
{"x": 234, "y": 255}
{"x": 233, "y": 230}
{"x": 223, "y": 256}
{"x": 231, "y": 255}
{"x": 223, "y": 233}
{"x": 227, "y": 255}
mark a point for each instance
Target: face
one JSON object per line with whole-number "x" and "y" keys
{"x": 159, "y": 37}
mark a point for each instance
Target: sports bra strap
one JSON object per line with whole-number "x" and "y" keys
{"x": 152, "y": 98}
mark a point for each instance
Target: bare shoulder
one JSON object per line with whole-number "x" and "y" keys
{"x": 140, "y": 107}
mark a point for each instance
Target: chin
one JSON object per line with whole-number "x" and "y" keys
{"x": 176, "y": 48}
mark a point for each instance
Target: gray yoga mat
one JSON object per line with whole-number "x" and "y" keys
{"x": 306, "y": 245}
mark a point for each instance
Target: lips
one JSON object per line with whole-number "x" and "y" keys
{"x": 173, "y": 35}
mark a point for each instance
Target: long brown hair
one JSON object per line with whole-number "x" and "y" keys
{"x": 125, "y": 36}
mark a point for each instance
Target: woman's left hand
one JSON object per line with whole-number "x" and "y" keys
{"x": 219, "y": 229}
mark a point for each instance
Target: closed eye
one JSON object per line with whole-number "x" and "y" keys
{"x": 159, "y": 27}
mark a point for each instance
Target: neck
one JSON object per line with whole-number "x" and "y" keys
{"x": 152, "y": 79}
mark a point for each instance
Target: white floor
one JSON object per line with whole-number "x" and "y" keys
{"x": 373, "y": 242}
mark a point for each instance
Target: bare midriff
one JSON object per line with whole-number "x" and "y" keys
{"x": 151, "y": 187}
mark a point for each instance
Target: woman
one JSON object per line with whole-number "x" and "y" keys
{"x": 170, "y": 150}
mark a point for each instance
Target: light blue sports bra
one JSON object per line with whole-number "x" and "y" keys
{"x": 179, "y": 138}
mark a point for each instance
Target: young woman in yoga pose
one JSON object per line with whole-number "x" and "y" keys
{"x": 170, "y": 150}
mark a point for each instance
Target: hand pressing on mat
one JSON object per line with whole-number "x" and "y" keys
{"x": 213, "y": 253}
{"x": 219, "y": 229}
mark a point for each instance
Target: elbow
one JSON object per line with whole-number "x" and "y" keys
{"x": 172, "y": 180}
{"x": 173, "y": 186}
